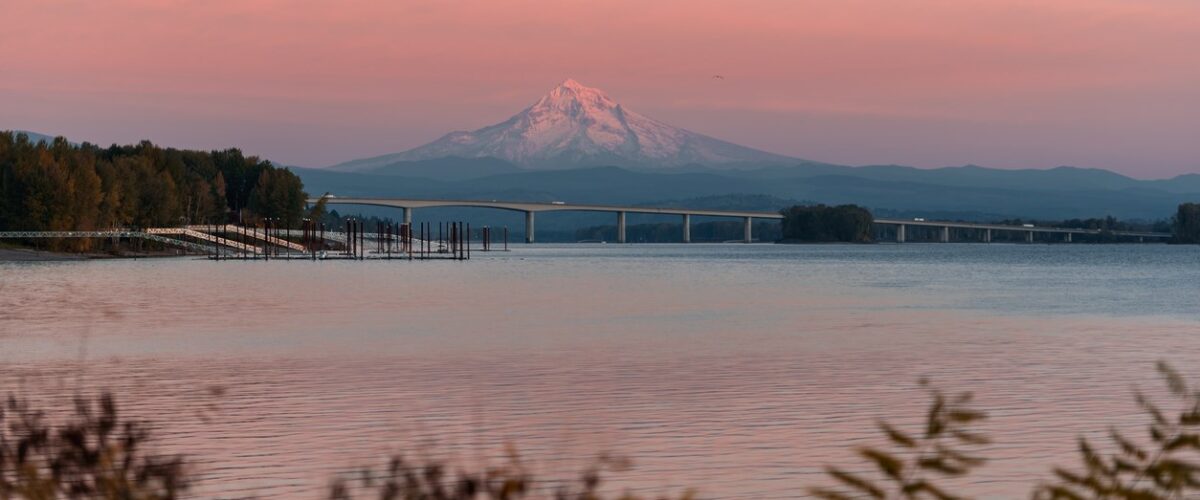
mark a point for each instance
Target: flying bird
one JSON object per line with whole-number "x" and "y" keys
{"x": 718, "y": 77}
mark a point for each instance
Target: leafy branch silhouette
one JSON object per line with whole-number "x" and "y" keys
{"x": 1168, "y": 470}
{"x": 940, "y": 450}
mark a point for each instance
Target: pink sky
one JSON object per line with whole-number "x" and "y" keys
{"x": 1005, "y": 83}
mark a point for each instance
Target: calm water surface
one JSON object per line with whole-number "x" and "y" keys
{"x": 737, "y": 369}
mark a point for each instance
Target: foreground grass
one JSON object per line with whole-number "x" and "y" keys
{"x": 95, "y": 453}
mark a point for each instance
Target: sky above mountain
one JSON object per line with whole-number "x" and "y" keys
{"x": 1005, "y": 83}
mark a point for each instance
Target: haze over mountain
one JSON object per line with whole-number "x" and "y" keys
{"x": 36, "y": 137}
{"x": 577, "y": 126}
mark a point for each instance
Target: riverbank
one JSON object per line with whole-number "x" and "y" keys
{"x": 13, "y": 254}
{"x": 23, "y": 254}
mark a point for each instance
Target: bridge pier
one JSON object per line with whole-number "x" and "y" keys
{"x": 620, "y": 227}
{"x": 407, "y": 216}
{"x": 529, "y": 227}
{"x": 1068, "y": 238}
{"x": 1028, "y": 236}
{"x": 748, "y": 224}
{"x": 945, "y": 234}
{"x": 987, "y": 235}
{"x": 687, "y": 228}
{"x": 900, "y": 228}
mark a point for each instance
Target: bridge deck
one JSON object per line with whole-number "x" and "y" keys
{"x": 522, "y": 206}
{"x": 534, "y": 207}
{"x": 1003, "y": 227}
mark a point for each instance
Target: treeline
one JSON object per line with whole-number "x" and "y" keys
{"x": 666, "y": 232}
{"x": 1108, "y": 223}
{"x": 335, "y": 221}
{"x": 822, "y": 223}
{"x": 60, "y": 186}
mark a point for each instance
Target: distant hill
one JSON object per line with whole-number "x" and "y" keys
{"x": 450, "y": 168}
{"x": 756, "y": 202}
{"x": 577, "y": 144}
{"x": 967, "y": 192}
{"x": 1186, "y": 183}
{"x": 970, "y": 193}
{"x": 1064, "y": 178}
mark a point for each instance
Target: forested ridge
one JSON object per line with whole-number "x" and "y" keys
{"x": 59, "y": 186}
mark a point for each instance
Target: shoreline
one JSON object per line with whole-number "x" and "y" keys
{"x": 20, "y": 254}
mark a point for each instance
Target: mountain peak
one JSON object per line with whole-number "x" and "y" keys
{"x": 574, "y": 97}
{"x": 571, "y": 87}
{"x": 571, "y": 83}
{"x": 576, "y": 126}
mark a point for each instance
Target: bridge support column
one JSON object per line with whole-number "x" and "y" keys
{"x": 620, "y": 227}
{"x": 528, "y": 227}
{"x": 1068, "y": 238}
{"x": 900, "y": 233}
{"x": 945, "y": 234}
{"x": 687, "y": 228}
{"x": 748, "y": 224}
{"x": 1028, "y": 236}
{"x": 408, "y": 216}
{"x": 1141, "y": 239}
{"x": 987, "y": 235}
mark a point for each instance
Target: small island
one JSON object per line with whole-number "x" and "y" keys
{"x": 826, "y": 224}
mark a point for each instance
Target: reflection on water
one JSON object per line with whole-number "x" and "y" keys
{"x": 738, "y": 369}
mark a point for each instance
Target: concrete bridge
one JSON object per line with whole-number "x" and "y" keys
{"x": 747, "y": 217}
{"x": 985, "y": 231}
{"x": 531, "y": 208}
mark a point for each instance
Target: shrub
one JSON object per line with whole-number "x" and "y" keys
{"x": 919, "y": 459}
{"x": 1168, "y": 470}
{"x": 405, "y": 480}
{"x": 94, "y": 454}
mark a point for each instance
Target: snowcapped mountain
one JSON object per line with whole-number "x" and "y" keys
{"x": 577, "y": 126}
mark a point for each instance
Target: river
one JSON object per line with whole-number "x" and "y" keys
{"x": 739, "y": 370}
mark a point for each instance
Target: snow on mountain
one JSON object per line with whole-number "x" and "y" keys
{"x": 575, "y": 126}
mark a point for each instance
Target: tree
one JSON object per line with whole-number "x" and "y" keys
{"x": 1186, "y": 224}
